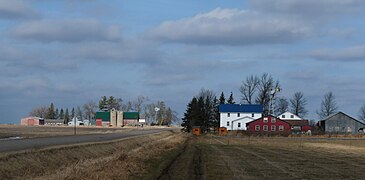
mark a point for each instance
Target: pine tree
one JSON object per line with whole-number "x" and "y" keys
{"x": 222, "y": 99}
{"x": 51, "y": 112}
{"x": 57, "y": 114}
{"x": 73, "y": 113}
{"x": 66, "y": 117}
{"x": 230, "y": 99}
{"x": 79, "y": 113}
{"x": 62, "y": 114}
{"x": 103, "y": 104}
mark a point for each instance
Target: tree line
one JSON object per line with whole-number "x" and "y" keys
{"x": 165, "y": 116}
{"x": 51, "y": 112}
{"x": 202, "y": 110}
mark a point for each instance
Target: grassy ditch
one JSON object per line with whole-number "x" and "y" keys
{"x": 124, "y": 159}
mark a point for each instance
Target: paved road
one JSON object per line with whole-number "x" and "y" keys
{"x": 36, "y": 143}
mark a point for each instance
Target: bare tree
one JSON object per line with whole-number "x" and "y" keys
{"x": 361, "y": 114}
{"x": 281, "y": 105}
{"x": 266, "y": 85}
{"x": 248, "y": 88}
{"x": 39, "y": 112}
{"x": 328, "y": 105}
{"x": 297, "y": 104}
{"x": 90, "y": 109}
{"x": 139, "y": 102}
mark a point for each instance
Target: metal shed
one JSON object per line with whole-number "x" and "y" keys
{"x": 341, "y": 123}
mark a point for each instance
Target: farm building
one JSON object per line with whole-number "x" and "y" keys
{"x": 299, "y": 126}
{"x": 269, "y": 125}
{"x": 117, "y": 118}
{"x": 341, "y": 123}
{"x": 31, "y": 121}
{"x": 289, "y": 116}
{"x": 54, "y": 122}
{"x": 235, "y": 116}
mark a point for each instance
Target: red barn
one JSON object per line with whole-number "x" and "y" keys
{"x": 268, "y": 125}
{"x": 299, "y": 126}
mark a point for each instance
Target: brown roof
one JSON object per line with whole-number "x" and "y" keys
{"x": 297, "y": 122}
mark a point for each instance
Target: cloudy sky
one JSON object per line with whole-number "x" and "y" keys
{"x": 70, "y": 52}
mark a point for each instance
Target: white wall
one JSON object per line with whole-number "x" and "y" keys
{"x": 234, "y": 120}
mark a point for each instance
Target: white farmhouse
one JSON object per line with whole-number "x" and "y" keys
{"x": 289, "y": 116}
{"x": 235, "y": 116}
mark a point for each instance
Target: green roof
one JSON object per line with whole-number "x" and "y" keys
{"x": 105, "y": 116}
{"x": 130, "y": 115}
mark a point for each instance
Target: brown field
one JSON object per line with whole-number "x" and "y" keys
{"x": 43, "y": 131}
{"x": 212, "y": 157}
{"x": 174, "y": 155}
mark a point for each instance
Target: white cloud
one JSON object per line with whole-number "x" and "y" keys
{"x": 354, "y": 53}
{"x": 309, "y": 8}
{"x": 231, "y": 27}
{"x": 17, "y": 9}
{"x": 71, "y": 30}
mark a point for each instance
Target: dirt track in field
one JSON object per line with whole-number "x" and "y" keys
{"x": 271, "y": 159}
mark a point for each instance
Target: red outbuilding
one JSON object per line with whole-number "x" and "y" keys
{"x": 268, "y": 125}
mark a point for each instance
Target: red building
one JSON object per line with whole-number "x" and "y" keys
{"x": 268, "y": 125}
{"x": 299, "y": 126}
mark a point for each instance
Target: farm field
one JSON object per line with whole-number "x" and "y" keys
{"x": 175, "y": 155}
{"x": 46, "y": 131}
{"x": 211, "y": 157}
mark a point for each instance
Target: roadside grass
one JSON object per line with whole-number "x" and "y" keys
{"x": 121, "y": 159}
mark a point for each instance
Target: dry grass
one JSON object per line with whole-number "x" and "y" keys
{"x": 44, "y": 131}
{"x": 121, "y": 159}
{"x": 213, "y": 157}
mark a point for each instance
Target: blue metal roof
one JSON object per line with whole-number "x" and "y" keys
{"x": 243, "y": 108}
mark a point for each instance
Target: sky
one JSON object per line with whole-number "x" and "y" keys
{"x": 70, "y": 52}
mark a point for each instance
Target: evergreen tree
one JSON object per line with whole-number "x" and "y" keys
{"x": 103, "y": 104}
{"x": 222, "y": 99}
{"x": 114, "y": 103}
{"x": 62, "y": 114}
{"x": 66, "y": 117}
{"x": 57, "y": 114}
{"x": 79, "y": 113}
{"x": 188, "y": 120}
{"x": 215, "y": 120}
{"x": 51, "y": 114}
{"x": 230, "y": 99}
{"x": 73, "y": 114}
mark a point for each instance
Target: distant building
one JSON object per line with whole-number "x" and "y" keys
{"x": 54, "y": 122}
{"x": 341, "y": 123}
{"x": 269, "y": 125}
{"x": 299, "y": 126}
{"x": 32, "y": 121}
{"x": 289, "y": 116}
{"x": 235, "y": 116}
{"x": 117, "y": 118}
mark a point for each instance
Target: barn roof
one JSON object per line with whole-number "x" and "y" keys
{"x": 297, "y": 122}
{"x": 267, "y": 116}
{"x": 241, "y": 108}
{"x": 335, "y": 114}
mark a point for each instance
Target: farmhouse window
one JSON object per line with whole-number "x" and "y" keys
{"x": 291, "y": 116}
{"x": 239, "y": 124}
{"x": 227, "y": 123}
{"x": 281, "y": 128}
{"x": 273, "y": 128}
{"x": 228, "y": 114}
{"x": 257, "y": 127}
{"x": 265, "y": 120}
{"x": 252, "y": 115}
{"x": 282, "y": 116}
{"x": 238, "y": 114}
{"x": 273, "y": 120}
{"x": 265, "y": 128}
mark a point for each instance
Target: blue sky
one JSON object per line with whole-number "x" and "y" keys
{"x": 70, "y": 52}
